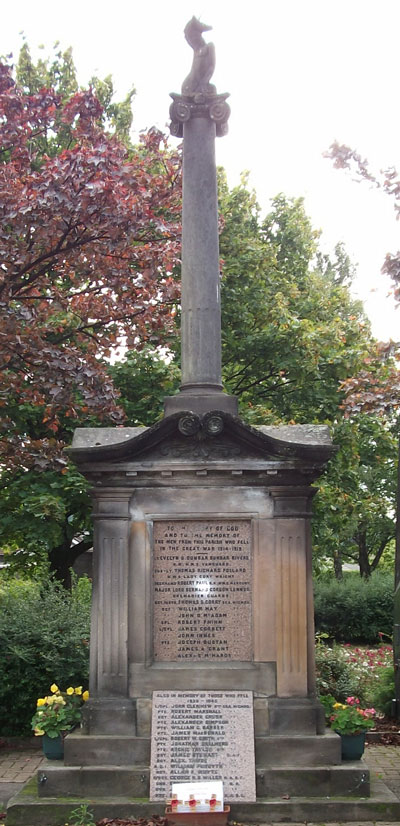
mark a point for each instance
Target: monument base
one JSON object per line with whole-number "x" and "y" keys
{"x": 28, "y": 809}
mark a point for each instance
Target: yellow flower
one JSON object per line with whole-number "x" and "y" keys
{"x": 54, "y": 688}
{"x": 38, "y": 731}
{"x": 41, "y": 702}
{"x": 78, "y": 689}
{"x": 85, "y": 696}
{"x": 70, "y": 690}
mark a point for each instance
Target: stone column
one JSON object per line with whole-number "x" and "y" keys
{"x": 200, "y": 297}
{"x": 198, "y": 118}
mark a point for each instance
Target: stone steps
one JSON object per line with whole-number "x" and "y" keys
{"x": 133, "y": 781}
{"x": 101, "y": 781}
{"x": 27, "y": 809}
{"x": 299, "y": 750}
{"x": 351, "y": 779}
{"x": 105, "y": 750}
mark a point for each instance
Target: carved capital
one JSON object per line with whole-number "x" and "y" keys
{"x": 199, "y": 105}
{"x": 292, "y": 501}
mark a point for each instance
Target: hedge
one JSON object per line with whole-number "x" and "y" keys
{"x": 355, "y": 609}
{"x": 44, "y": 638}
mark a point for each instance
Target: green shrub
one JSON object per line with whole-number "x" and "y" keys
{"x": 383, "y": 693}
{"x": 44, "y": 638}
{"x": 335, "y": 676}
{"x": 355, "y": 610}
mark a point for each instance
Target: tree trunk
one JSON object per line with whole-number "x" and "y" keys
{"x": 63, "y": 557}
{"x": 338, "y": 565}
{"x": 363, "y": 561}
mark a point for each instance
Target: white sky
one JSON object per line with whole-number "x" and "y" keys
{"x": 300, "y": 75}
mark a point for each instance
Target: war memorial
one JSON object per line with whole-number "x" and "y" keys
{"x": 202, "y": 638}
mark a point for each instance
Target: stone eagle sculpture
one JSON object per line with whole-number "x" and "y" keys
{"x": 203, "y": 60}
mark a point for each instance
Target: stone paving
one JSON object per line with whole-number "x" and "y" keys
{"x": 17, "y": 766}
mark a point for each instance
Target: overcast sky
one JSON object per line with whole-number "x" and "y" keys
{"x": 300, "y": 75}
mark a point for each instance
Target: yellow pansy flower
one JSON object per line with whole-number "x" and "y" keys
{"x": 54, "y": 688}
{"x": 85, "y": 696}
{"x": 38, "y": 731}
{"x": 78, "y": 689}
{"x": 70, "y": 690}
{"x": 41, "y": 702}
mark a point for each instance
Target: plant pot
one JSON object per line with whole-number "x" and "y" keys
{"x": 53, "y": 747}
{"x": 353, "y": 746}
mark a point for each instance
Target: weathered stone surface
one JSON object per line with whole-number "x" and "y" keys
{"x": 201, "y": 736}
{"x": 202, "y": 590}
{"x": 315, "y": 781}
{"x": 298, "y": 750}
{"x": 86, "y": 781}
{"x": 26, "y": 809}
{"x": 106, "y": 750}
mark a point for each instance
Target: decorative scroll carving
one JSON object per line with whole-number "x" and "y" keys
{"x": 200, "y": 105}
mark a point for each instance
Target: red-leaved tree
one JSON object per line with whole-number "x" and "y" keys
{"x": 89, "y": 241}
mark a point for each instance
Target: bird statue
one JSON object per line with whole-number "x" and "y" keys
{"x": 203, "y": 60}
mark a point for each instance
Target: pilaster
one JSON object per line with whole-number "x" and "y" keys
{"x": 294, "y": 599}
{"x": 109, "y": 630}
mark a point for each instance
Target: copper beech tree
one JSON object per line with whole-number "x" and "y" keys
{"x": 89, "y": 239}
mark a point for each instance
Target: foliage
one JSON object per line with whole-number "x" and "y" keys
{"x": 388, "y": 180}
{"x": 144, "y": 379}
{"x": 344, "y": 670}
{"x": 354, "y": 510}
{"x": 291, "y": 331}
{"x": 327, "y": 701}
{"x": 334, "y": 674}
{"x": 350, "y": 718}
{"x": 81, "y": 816}
{"x": 355, "y": 610}
{"x": 59, "y": 711}
{"x": 44, "y": 518}
{"x": 384, "y": 692}
{"x": 89, "y": 244}
{"x": 44, "y": 635}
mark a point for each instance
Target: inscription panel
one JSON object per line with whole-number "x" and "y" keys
{"x": 203, "y": 736}
{"x": 202, "y": 590}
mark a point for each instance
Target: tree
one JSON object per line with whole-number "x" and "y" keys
{"x": 382, "y": 395}
{"x": 353, "y": 515}
{"x": 387, "y": 180}
{"x": 89, "y": 243}
{"x": 291, "y": 330}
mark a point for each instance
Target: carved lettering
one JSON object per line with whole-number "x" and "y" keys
{"x": 200, "y": 736}
{"x": 202, "y": 590}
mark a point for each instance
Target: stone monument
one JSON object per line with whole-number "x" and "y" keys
{"x": 202, "y": 588}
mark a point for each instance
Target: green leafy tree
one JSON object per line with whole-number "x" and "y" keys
{"x": 354, "y": 510}
{"x": 144, "y": 378}
{"x": 291, "y": 330}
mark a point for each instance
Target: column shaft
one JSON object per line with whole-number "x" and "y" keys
{"x": 201, "y": 304}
